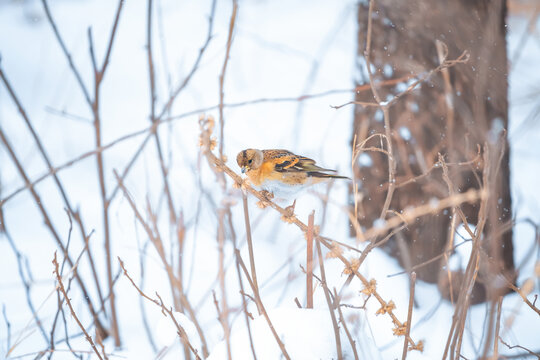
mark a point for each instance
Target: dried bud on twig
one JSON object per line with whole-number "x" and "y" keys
{"x": 262, "y": 204}
{"x": 419, "y": 346}
{"x": 371, "y": 288}
{"x": 335, "y": 252}
{"x": 386, "y": 308}
{"x": 355, "y": 264}
{"x": 400, "y": 330}
{"x": 289, "y": 216}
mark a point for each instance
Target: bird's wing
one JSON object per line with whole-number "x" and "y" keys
{"x": 286, "y": 161}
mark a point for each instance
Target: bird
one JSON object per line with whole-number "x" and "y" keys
{"x": 281, "y": 171}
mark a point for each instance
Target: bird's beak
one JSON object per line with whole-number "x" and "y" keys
{"x": 244, "y": 169}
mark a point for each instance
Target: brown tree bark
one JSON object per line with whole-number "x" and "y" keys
{"x": 453, "y": 118}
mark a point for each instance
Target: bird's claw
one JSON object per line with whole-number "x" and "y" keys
{"x": 268, "y": 196}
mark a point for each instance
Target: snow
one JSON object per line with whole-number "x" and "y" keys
{"x": 306, "y": 334}
{"x": 167, "y": 335}
{"x": 275, "y": 54}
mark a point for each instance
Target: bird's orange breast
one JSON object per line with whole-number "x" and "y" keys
{"x": 263, "y": 173}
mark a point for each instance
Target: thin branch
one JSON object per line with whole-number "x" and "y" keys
{"x": 48, "y": 223}
{"x": 150, "y": 59}
{"x": 455, "y": 335}
{"x": 149, "y": 335}
{"x": 222, "y": 75}
{"x": 112, "y": 36}
{"x": 409, "y": 316}
{"x": 462, "y": 59}
{"x": 372, "y": 245}
{"x": 92, "y": 52}
{"x": 150, "y": 129}
{"x": 67, "y": 115}
{"x": 329, "y": 302}
{"x": 100, "y": 162}
{"x": 130, "y": 164}
{"x": 250, "y": 245}
{"x": 74, "y": 69}
{"x": 309, "y": 262}
{"x": 50, "y": 167}
{"x": 195, "y": 66}
{"x": 259, "y": 301}
{"x": 153, "y": 119}
{"x": 8, "y": 327}
{"x": 241, "y": 284}
{"x": 497, "y": 329}
{"x": 24, "y": 280}
{"x": 68, "y": 302}
{"x": 31, "y": 184}
{"x": 536, "y": 354}
{"x": 224, "y": 314}
{"x": 344, "y": 323}
{"x": 180, "y": 330}
{"x": 388, "y": 131}
{"x": 427, "y": 262}
{"x": 173, "y": 281}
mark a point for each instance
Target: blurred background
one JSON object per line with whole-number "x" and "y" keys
{"x": 100, "y": 158}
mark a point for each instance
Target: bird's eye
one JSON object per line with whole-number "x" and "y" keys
{"x": 250, "y": 161}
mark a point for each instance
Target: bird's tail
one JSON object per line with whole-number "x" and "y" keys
{"x": 319, "y": 174}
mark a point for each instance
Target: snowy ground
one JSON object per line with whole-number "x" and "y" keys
{"x": 280, "y": 50}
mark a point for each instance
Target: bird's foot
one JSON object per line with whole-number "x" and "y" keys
{"x": 267, "y": 195}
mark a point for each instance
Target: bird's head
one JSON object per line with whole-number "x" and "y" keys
{"x": 249, "y": 159}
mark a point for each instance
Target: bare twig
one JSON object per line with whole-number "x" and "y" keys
{"x": 250, "y": 245}
{"x": 94, "y": 106}
{"x": 66, "y": 53}
{"x": 388, "y": 131}
{"x": 98, "y": 78}
{"x": 68, "y": 302}
{"x": 497, "y": 330}
{"x": 149, "y": 335}
{"x": 462, "y": 59}
{"x": 536, "y": 354}
{"x": 372, "y": 245}
{"x": 50, "y": 167}
{"x": 241, "y": 284}
{"x": 222, "y": 75}
{"x": 224, "y": 313}
{"x": 525, "y": 289}
{"x": 195, "y": 66}
{"x": 59, "y": 300}
{"x": 259, "y": 301}
{"x": 455, "y": 335}
{"x": 150, "y": 129}
{"x": 329, "y": 302}
{"x": 24, "y": 280}
{"x": 50, "y": 226}
{"x": 67, "y": 115}
{"x": 427, "y": 262}
{"x": 8, "y": 327}
{"x": 409, "y": 316}
{"x": 309, "y": 262}
{"x": 344, "y": 323}
{"x": 159, "y": 302}
{"x": 173, "y": 281}
{"x": 153, "y": 119}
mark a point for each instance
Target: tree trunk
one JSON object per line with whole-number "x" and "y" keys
{"x": 463, "y": 117}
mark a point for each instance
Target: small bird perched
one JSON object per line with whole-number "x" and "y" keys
{"x": 281, "y": 171}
